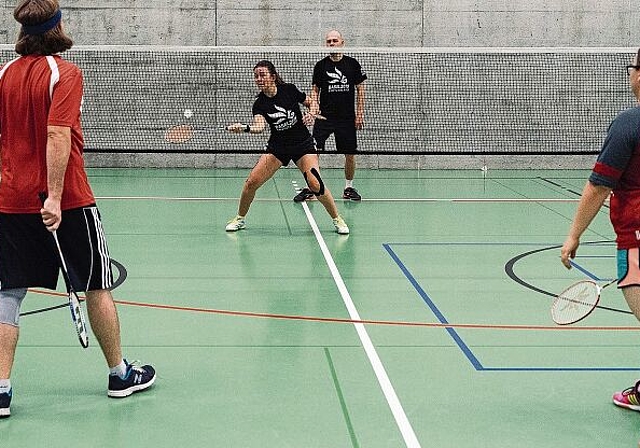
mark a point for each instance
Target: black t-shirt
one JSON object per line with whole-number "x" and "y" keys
{"x": 337, "y": 82}
{"x": 282, "y": 113}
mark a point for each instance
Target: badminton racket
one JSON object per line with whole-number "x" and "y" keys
{"x": 182, "y": 133}
{"x": 77, "y": 315}
{"x": 576, "y": 302}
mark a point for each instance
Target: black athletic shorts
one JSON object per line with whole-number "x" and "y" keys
{"x": 29, "y": 258}
{"x": 343, "y": 131}
{"x": 291, "y": 154}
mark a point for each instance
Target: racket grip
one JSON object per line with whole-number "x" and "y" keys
{"x": 43, "y": 196}
{"x": 245, "y": 128}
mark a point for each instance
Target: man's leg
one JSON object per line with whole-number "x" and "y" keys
{"x": 124, "y": 379}
{"x": 105, "y": 324}
{"x": 8, "y": 343}
{"x": 10, "y": 301}
{"x": 349, "y": 167}
{"x": 349, "y": 174}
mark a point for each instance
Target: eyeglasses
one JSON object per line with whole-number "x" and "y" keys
{"x": 333, "y": 41}
{"x": 630, "y": 67}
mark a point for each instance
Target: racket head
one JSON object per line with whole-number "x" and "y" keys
{"x": 575, "y": 303}
{"x": 179, "y": 134}
{"x": 79, "y": 322}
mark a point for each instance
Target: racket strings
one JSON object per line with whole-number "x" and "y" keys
{"x": 179, "y": 134}
{"x": 575, "y": 303}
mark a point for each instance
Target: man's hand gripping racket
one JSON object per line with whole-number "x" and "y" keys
{"x": 77, "y": 314}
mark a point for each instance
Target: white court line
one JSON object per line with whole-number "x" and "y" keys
{"x": 383, "y": 379}
{"x": 486, "y": 200}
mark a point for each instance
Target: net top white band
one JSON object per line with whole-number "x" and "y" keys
{"x": 353, "y": 50}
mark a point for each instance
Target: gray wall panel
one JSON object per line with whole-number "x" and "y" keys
{"x": 365, "y": 23}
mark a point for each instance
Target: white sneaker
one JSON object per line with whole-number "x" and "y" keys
{"x": 236, "y": 224}
{"x": 341, "y": 227}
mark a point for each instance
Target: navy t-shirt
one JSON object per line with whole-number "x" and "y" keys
{"x": 618, "y": 167}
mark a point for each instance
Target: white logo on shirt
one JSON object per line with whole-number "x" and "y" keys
{"x": 337, "y": 81}
{"x": 284, "y": 119}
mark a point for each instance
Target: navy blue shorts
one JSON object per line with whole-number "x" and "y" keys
{"x": 29, "y": 257}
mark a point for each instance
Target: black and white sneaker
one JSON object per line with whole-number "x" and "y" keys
{"x": 5, "y": 404}
{"x": 352, "y": 194}
{"x": 138, "y": 378}
{"x": 304, "y": 195}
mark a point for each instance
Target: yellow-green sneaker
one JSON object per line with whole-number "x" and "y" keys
{"x": 236, "y": 224}
{"x": 341, "y": 227}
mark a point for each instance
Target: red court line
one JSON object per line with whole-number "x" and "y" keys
{"x": 351, "y": 321}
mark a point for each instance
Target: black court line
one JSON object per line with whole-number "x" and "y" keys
{"x": 508, "y": 268}
{"x": 122, "y": 276}
{"x": 568, "y": 190}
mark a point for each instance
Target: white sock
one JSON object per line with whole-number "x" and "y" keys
{"x": 5, "y": 386}
{"x": 119, "y": 370}
{"x": 348, "y": 183}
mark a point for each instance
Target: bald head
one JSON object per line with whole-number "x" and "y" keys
{"x": 334, "y": 38}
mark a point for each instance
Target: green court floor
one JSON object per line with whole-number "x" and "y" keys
{"x": 255, "y": 334}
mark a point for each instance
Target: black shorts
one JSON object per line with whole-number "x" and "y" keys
{"x": 29, "y": 257}
{"x": 344, "y": 132}
{"x": 286, "y": 155}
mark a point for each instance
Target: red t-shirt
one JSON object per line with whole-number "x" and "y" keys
{"x": 37, "y": 91}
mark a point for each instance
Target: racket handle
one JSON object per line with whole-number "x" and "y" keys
{"x": 43, "y": 196}
{"x": 246, "y": 127}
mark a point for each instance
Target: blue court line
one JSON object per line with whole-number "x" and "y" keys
{"x": 466, "y": 350}
{"x": 452, "y": 332}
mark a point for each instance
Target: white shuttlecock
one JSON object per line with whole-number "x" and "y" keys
{"x": 188, "y": 113}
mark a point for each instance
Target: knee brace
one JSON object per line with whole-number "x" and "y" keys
{"x": 317, "y": 176}
{"x": 10, "y": 301}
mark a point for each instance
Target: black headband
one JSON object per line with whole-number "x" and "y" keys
{"x": 43, "y": 27}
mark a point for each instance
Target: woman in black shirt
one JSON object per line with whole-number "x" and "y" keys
{"x": 278, "y": 105}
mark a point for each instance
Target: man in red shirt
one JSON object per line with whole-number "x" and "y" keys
{"x": 41, "y": 151}
{"x": 617, "y": 174}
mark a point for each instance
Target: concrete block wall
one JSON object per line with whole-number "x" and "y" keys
{"x": 364, "y": 22}
{"x": 376, "y": 23}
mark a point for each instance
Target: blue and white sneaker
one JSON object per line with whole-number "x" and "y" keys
{"x": 138, "y": 378}
{"x": 5, "y": 403}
